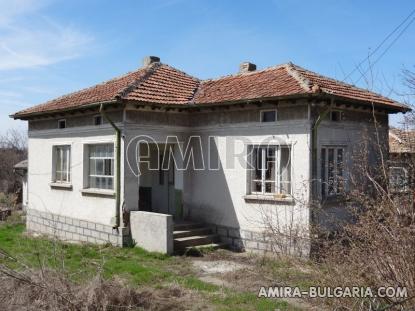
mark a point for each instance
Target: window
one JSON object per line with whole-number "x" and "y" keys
{"x": 268, "y": 116}
{"x": 62, "y": 164}
{"x": 62, "y": 124}
{"x": 101, "y": 166}
{"x": 98, "y": 120}
{"x": 271, "y": 170}
{"x": 336, "y": 115}
{"x": 398, "y": 179}
{"x": 332, "y": 171}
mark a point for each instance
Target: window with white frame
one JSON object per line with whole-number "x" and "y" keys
{"x": 332, "y": 171}
{"x": 398, "y": 179}
{"x": 270, "y": 170}
{"x": 101, "y": 166}
{"x": 62, "y": 164}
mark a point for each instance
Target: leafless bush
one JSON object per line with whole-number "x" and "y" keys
{"x": 52, "y": 290}
{"x": 377, "y": 248}
{"x": 286, "y": 229}
{"x": 13, "y": 149}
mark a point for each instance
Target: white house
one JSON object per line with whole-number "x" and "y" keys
{"x": 247, "y": 152}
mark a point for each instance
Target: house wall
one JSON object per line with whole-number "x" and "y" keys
{"x": 70, "y": 203}
{"x": 359, "y": 136}
{"x": 217, "y": 196}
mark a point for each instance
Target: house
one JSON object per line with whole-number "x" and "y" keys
{"x": 21, "y": 170}
{"x": 401, "y": 164}
{"x": 157, "y": 150}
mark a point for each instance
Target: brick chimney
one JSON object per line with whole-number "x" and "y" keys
{"x": 246, "y": 67}
{"x": 148, "y": 60}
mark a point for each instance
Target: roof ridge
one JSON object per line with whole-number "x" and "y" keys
{"x": 338, "y": 81}
{"x": 133, "y": 85}
{"x": 82, "y": 90}
{"x": 302, "y": 81}
{"x": 244, "y": 73}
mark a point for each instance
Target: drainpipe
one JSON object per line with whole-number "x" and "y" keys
{"x": 118, "y": 165}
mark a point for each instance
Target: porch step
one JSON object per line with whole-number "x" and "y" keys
{"x": 182, "y": 226}
{"x": 191, "y": 232}
{"x": 193, "y": 237}
{"x": 195, "y": 240}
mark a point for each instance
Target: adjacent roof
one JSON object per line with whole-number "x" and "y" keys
{"x": 162, "y": 84}
{"x": 401, "y": 141}
{"x": 21, "y": 165}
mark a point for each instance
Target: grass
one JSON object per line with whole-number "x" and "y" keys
{"x": 140, "y": 268}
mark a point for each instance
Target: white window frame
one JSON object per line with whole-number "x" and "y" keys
{"x": 261, "y": 113}
{"x": 88, "y": 158}
{"x": 64, "y": 150}
{"x": 393, "y": 187}
{"x": 325, "y": 179}
{"x": 263, "y": 181}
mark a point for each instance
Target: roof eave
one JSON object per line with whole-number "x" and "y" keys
{"x": 26, "y": 116}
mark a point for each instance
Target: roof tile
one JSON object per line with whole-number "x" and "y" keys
{"x": 163, "y": 84}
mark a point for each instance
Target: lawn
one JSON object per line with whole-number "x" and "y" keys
{"x": 137, "y": 267}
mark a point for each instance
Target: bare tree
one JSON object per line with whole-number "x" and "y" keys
{"x": 13, "y": 149}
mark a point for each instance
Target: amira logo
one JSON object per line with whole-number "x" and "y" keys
{"x": 197, "y": 153}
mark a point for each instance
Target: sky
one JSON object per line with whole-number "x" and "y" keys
{"x": 52, "y": 47}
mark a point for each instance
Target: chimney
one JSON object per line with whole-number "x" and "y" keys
{"x": 246, "y": 67}
{"x": 148, "y": 60}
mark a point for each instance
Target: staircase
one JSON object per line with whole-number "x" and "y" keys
{"x": 193, "y": 237}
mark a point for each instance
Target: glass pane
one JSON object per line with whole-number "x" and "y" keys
{"x": 108, "y": 167}
{"x": 285, "y": 170}
{"x": 339, "y": 170}
{"x": 110, "y": 151}
{"x": 99, "y": 167}
{"x": 330, "y": 171}
{"x": 256, "y": 186}
{"x": 270, "y": 164}
{"x": 92, "y": 182}
{"x": 270, "y": 187}
{"x": 257, "y": 162}
{"x": 269, "y": 116}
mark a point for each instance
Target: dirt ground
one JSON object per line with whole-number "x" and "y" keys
{"x": 248, "y": 272}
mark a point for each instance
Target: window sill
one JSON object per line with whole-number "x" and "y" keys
{"x": 268, "y": 198}
{"x": 98, "y": 192}
{"x": 56, "y": 185}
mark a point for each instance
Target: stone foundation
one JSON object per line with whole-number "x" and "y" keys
{"x": 244, "y": 240}
{"x": 74, "y": 230}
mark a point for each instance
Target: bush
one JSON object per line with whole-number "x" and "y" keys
{"x": 8, "y": 200}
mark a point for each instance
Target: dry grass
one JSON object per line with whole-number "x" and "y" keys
{"x": 49, "y": 290}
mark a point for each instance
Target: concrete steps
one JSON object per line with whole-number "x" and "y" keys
{"x": 195, "y": 237}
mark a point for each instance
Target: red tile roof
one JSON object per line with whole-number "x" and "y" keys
{"x": 270, "y": 82}
{"x": 162, "y": 84}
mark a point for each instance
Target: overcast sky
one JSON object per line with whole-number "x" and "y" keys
{"x": 51, "y": 47}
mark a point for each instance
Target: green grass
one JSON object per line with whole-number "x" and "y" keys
{"x": 82, "y": 261}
